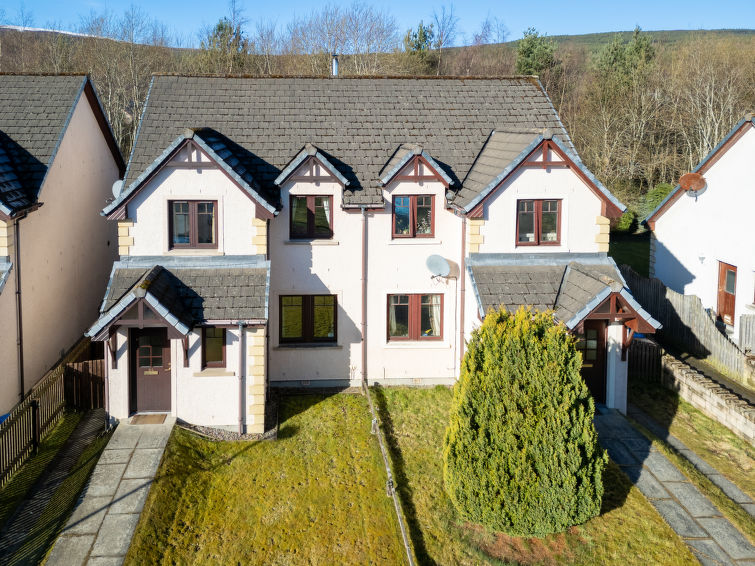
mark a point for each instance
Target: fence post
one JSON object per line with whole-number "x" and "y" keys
{"x": 35, "y": 424}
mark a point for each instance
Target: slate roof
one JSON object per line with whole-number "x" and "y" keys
{"x": 357, "y": 122}
{"x": 34, "y": 111}
{"x": 570, "y": 284}
{"x": 198, "y": 294}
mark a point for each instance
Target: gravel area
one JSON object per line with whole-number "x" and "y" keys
{"x": 223, "y": 435}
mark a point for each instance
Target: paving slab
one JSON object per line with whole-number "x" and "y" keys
{"x": 638, "y": 446}
{"x": 144, "y": 463}
{"x": 130, "y": 496}
{"x": 71, "y": 551}
{"x": 646, "y": 482}
{"x": 105, "y": 479}
{"x": 662, "y": 468}
{"x": 115, "y": 535}
{"x": 88, "y": 516}
{"x": 693, "y": 501}
{"x": 124, "y": 437}
{"x": 750, "y": 508}
{"x": 679, "y": 520}
{"x": 116, "y": 456}
{"x": 154, "y": 437}
{"x": 701, "y": 465}
{"x": 731, "y": 490}
{"x": 729, "y": 538}
{"x": 619, "y": 453}
{"x": 708, "y": 552}
{"x": 106, "y": 561}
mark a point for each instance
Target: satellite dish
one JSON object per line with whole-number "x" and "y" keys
{"x": 117, "y": 188}
{"x": 438, "y": 266}
{"x": 692, "y": 182}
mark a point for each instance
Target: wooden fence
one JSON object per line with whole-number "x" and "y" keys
{"x": 686, "y": 324}
{"x": 69, "y": 384}
{"x": 747, "y": 332}
{"x": 644, "y": 360}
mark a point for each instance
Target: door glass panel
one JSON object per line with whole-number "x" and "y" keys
{"x": 157, "y": 358}
{"x": 731, "y": 281}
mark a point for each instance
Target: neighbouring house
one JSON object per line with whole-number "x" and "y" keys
{"x": 703, "y": 238}
{"x": 297, "y": 232}
{"x": 58, "y": 162}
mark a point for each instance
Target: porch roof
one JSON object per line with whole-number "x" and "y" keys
{"x": 572, "y": 285}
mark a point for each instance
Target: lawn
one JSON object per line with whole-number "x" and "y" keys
{"x": 730, "y": 455}
{"x": 314, "y": 496}
{"x": 628, "y": 531}
{"x": 632, "y": 249}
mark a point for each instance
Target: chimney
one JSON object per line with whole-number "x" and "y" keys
{"x": 334, "y": 69}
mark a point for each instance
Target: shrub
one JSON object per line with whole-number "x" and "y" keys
{"x": 627, "y": 222}
{"x": 654, "y": 197}
{"x": 521, "y": 454}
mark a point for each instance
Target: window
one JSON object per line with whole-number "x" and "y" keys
{"x": 415, "y": 317}
{"x": 538, "y": 222}
{"x": 311, "y": 217}
{"x": 413, "y": 216}
{"x": 213, "y": 347}
{"x": 308, "y": 318}
{"x": 193, "y": 224}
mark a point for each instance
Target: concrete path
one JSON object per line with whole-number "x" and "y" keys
{"x": 729, "y": 488}
{"x": 710, "y": 536}
{"x": 103, "y": 523}
{"x": 18, "y": 528}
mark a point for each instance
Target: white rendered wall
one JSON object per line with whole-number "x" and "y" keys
{"x": 579, "y": 209}
{"x": 317, "y": 267}
{"x": 694, "y": 234}
{"x": 149, "y": 211}
{"x": 67, "y": 248}
{"x": 398, "y": 266}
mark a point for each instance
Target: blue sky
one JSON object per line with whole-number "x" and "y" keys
{"x": 187, "y": 17}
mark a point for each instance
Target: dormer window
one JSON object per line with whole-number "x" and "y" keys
{"x": 193, "y": 224}
{"x": 413, "y": 216}
{"x": 538, "y": 222}
{"x": 311, "y": 217}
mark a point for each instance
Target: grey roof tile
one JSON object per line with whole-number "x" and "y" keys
{"x": 359, "y": 122}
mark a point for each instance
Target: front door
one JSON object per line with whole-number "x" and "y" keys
{"x": 592, "y": 344}
{"x": 727, "y": 286}
{"x": 150, "y": 360}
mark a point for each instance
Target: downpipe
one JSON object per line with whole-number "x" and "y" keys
{"x": 242, "y": 348}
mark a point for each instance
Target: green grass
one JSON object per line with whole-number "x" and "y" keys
{"x": 632, "y": 249}
{"x": 24, "y": 479}
{"x": 628, "y": 531}
{"x": 314, "y": 496}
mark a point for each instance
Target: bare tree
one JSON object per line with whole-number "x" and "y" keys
{"x": 265, "y": 45}
{"x": 24, "y": 19}
{"x": 446, "y": 25}
{"x": 368, "y": 33}
{"x": 58, "y": 49}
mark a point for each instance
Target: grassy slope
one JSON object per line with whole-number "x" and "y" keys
{"x": 629, "y": 531}
{"x": 634, "y": 250}
{"x": 23, "y": 480}
{"x": 316, "y": 495}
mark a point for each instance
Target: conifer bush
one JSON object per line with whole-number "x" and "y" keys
{"x": 521, "y": 452}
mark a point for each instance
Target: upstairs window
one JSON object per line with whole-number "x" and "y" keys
{"x": 413, "y": 216}
{"x": 213, "y": 347}
{"x": 308, "y": 318}
{"x": 193, "y": 224}
{"x": 415, "y": 317}
{"x": 538, "y": 222}
{"x": 311, "y": 217}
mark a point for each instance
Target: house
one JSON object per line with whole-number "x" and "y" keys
{"x": 702, "y": 239}
{"x": 58, "y": 162}
{"x": 277, "y": 232}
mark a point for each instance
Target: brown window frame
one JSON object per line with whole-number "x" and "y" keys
{"x": 538, "y": 212}
{"x": 193, "y": 233}
{"x": 310, "y": 235}
{"x": 413, "y": 217}
{"x": 415, "y": 318}
{"x": 205, "y": 363}
{"x": 308, "y": 320}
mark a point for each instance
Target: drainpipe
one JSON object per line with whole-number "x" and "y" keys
{"x": 462, "y": 293}
{"x": 242, "y": 347}
{"x": 19, "y": 325}
{"x": 364, "y": 295}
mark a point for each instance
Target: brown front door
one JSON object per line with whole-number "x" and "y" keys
{"x": 727, "y": 287}
{"x": 592, "y": 344}
{"x": 150, "y": 362}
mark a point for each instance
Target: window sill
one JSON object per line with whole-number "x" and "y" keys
{"x": 214, "y": 372}
{"x": 303, "y": 346}
{"x": 417, "y": 345}
{"x": 313, "y": 242}
{"x": 415, "y": 242}
{"x": 194, "y": 251}
{"x": 751, "y": 307}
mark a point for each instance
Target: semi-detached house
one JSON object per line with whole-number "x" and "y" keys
{"x": 277, "y": 232}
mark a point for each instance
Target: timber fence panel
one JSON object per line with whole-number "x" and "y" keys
{"x": 747, "y": 332}
{"x": 686, "y": 324}
{"x": 644, "y": 360}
